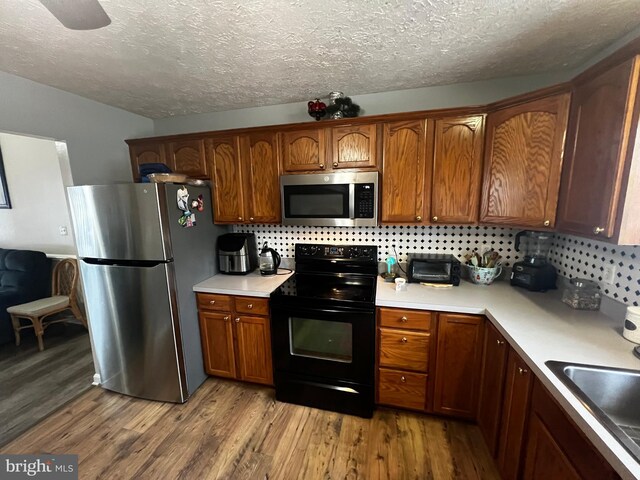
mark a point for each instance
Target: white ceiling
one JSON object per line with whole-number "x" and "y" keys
{"x": 163, "y": 58}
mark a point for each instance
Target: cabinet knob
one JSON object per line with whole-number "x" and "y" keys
{"x": 237, "y": 319}
{"x": 321, "y": 166}
{"x": 403, "y": 379}
{"x": 418, "y": 218}
{"x": 227, "y": 318}
{"x": 250, "y": 305}
{"x": 212, "y": 302}
{"x": 546, "y": 223}
{"x": 403, "y": 319}
{"x": 598, "y": 230}
{"x": 240, "y": 218}
{"x": 335, "y": 164}
{"x": 435, "y": 219}
{"x": 522, "y": 371}
{"x": 500, "y": 342}
{"x": 251, "y": 219}
{"x": 404, "y": 339}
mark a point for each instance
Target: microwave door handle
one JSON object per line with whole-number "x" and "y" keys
{"x": 352, "y": 200}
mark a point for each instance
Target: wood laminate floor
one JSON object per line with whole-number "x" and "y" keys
{"x": 34, "y": 384}
{"x": 229, "y": 430}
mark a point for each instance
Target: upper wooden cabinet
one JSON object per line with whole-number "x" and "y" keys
{"x": 354, "y": 146}
{"x": 404, "y": 172}
{"x": 261, "y": 173}
{"x": 188, "y": 157}
{"x": 458, "y": 361}
{"x": 304, "y": 150}
{"x": 457, "y": 169}
{"x": 599, "y": 193}
{"x": 327, "y": 149}
{"x": 141, "y": 153}
{"x": 523, "y": 161}
{"x": 223, "y": 155}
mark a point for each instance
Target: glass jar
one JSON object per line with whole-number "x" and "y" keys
{"x": 582, "y": 294}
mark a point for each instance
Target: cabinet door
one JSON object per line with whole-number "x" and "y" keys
{"x": 523, "y": 160}
{"x": 254, "y": 349}
{"x": 458, "y": 365}
{"x": 354, "y": 147}
{"x": 404, "y": 172}
{"x": 597, "y": 145}
{"x": 226, "y": 175}
{"x": 457, "y": 169}
{"x": 261, "y": 173}
{"x": 304, "y": 150}
{"x": 556, "y": 449}
{"x": 494, "y": 365}
{"x": 188, "y": 157}
{"x": 515, "y": 408}
{"x": 146, "y": 153}
{"x": 217, "y": 344}
{"x": 545, "y": 459}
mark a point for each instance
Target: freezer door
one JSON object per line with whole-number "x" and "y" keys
{"x": 121, "y": 222}
{"x": 135, "y": 331}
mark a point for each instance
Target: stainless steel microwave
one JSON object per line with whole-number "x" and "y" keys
{"x": 330, "y": 199}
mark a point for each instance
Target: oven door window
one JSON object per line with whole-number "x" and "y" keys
{"x": 322, "y": 339}
{"x": 432, "y": 272}
{"x": 316, "y": 201}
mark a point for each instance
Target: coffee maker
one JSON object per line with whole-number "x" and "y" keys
{"x": 534, "y": 273}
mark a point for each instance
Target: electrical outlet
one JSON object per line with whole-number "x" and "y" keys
{"x": 609, "y": 274}
{"x": 63, "y": 231}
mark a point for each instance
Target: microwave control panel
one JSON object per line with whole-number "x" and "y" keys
{"x": 365, "y": 200}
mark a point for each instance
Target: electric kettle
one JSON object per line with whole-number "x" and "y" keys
{"x": 269, "y": 260}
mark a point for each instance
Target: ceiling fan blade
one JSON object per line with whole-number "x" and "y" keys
{"x": 78, "y": 14}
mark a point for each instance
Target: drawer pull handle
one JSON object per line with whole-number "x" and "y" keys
{"x": 403, "y": 319}
{"x": 404, "y": 339}
{"x": 212, "y": 302}
{"x": 403, "y": 379}
{"x": 522, "y": 371}
{"x": 250, "y": 305}
{"x": 500, "y": 342}
{"x": 237, "y": 319}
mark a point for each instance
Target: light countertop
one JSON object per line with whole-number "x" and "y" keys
{"x": 539, "y": 327}
{"x": 251, "y": 285}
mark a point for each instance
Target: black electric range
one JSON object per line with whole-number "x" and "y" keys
{"x": 323, "y": 329}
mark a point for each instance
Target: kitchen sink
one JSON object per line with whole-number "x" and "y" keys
{"x": 611, "y": 394}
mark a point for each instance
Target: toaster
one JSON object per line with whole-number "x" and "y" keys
{"x": 433, "y": 268}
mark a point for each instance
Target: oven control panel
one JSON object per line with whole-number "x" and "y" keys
{"x": 334, "y": 252}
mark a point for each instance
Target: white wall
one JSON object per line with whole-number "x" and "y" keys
{"x": 94, "y": 132}
{"x": 38, "y": 201}
{"x": 445, "y": 96}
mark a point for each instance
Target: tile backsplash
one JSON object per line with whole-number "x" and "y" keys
{"x": 572, "y": 256}
{"x": 585, "y": 258}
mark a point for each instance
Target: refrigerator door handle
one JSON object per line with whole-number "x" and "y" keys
{"x": 124, "y": 263}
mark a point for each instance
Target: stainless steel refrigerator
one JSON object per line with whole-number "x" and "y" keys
{"x": 140, "y": 254}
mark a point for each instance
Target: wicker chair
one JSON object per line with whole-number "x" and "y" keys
{"x": 64, "y": 292}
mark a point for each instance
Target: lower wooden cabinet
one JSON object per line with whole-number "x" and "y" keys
{"x": 236, "y": 344}
{"x": 458, "y": 361}
{"x": 402, "y": 389}
{"x": 556, "y": 449}
{"x": 515, "y": 408}
{"x": 494, "y": 367}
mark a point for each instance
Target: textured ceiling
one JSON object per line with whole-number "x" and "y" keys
{"x": 163, "y": 58}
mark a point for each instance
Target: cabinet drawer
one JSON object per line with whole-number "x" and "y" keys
{"x": 402, "y": 389}
{"x": 213, "y": 301}
{"x": 403, "y": 349}
{"x": 406, "y": 319}
{"x": 252, "y": 305}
